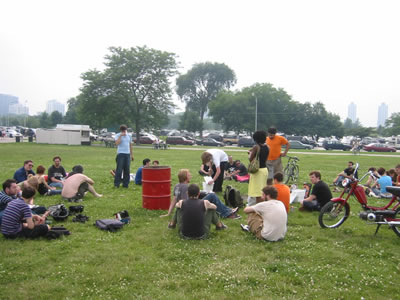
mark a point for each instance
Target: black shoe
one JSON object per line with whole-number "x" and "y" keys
{"x": 76, "y": 209}
{"x": 52, "y": 235}
{"x": 222, "y": 227}
{"x": 61, "y": 230}
{"x": 80, "y": 218}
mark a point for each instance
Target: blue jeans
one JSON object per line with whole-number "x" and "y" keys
{"x": 56, "y": 184}
{"x": 123, "y": 168}
{"x": 222, "y": 210}
{"x": 54, "y": 192}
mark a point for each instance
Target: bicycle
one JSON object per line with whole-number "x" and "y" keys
{"x": 291, "y": 171}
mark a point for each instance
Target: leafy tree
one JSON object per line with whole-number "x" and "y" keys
{"x": 134, "y": 89}
{"x": 393, "y": 124}
{"x": 190, "y": 121}
{"x": 55, "y": 118}
{"x": 201, "y": 85}
{"x": 71, "y": 117}
{"x": 44, "y": 120}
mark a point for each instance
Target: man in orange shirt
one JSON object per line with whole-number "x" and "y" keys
{"x": 275, "y": 143}
{"x": 283, "y": 190}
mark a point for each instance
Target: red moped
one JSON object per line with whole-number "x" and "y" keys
{"x": 336, "y": 211}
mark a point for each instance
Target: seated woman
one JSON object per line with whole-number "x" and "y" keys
{"x": 44, "y": 188}
{"x": 76, "y": 185}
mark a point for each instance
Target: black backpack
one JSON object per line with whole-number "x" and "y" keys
{"x": 232, "y": 197}
{"x": 109, "y": 224}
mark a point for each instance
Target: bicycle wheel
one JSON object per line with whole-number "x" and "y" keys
{"x": 287, "y": 173}
{"x": 333, "y": 214}
{"x": 295, "y": 173}
{"x": 396, "y": 228}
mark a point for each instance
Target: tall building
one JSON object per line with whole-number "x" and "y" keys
{"x": 352, "y": 112}
{"x": 18, "y": 109}
{"x": 382, "y": 114}
{"x": 54, "y": 105}
{"x": 5, "y": 102}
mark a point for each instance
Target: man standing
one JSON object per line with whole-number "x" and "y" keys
{"x": 8, "y": 194}
{"x": 320, "y": 194}
{"x": 124, "y": 156}
{"x": 22, "y": 173}
{"x": 267, "y": 219}
{"x": 275, "y": 143}
{"x": 56, "y": 173}
{"x": 219, "y": 159}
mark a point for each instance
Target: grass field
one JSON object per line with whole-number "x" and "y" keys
{"x": 145, "y": 260}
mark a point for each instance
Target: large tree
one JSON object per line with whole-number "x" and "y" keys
{"x": 201, "y": 85}
{"x": 393, "y": 124}
{"x": 134, "y": 89}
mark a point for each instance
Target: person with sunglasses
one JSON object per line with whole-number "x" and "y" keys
{"x": 22, "y": 173}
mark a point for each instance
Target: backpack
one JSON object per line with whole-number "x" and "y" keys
{"x": 109, "y": 224}
{"x": 232, "y": 197}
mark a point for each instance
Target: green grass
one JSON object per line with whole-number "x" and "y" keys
{"x": 145, "y": 260}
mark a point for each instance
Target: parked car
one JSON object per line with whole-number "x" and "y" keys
{"x": 335, "y": 145}
{"x": 379, "y": 148}
{"x": 299, "y": 145}
{"x": 210, "y": 142}
{"x": 145, "y": 139}
{"x": 215, "y": 136}
{"x": 93, "y": 137}
{"x": 230, "y": 139}
{"x": 178, "y": 140}
{"x": 246, "y": 142}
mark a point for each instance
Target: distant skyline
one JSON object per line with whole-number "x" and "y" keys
{"x": 335, "y": 52}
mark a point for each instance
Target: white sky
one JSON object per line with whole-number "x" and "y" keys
{"x": 335, "y": 52}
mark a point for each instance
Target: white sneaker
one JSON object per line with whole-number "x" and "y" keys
{"x": 245, "y": 227}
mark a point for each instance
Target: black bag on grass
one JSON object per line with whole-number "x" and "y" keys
{"x": 109, "y": 224}
{"x": 232, "y": 197}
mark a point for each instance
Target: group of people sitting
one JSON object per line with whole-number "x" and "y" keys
{"x": 18, "y": 214}
{"x": 376, "y": 184}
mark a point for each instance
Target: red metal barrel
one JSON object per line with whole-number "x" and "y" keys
{"x": 156, "y": 187}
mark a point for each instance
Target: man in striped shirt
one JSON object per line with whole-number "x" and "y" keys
{"x": 8, "y": 194}
{"x": 18, "y": 220}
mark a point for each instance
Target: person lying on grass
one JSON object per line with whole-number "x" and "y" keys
{"x": 181, "y": 193}
{"x": 267, "y": 220}
{"x": 76, "y": 185}
{"x": 18, "y": 220}
{"x": 194, "y": 216}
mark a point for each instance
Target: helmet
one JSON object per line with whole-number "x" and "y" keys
{"x": 58, "y": 212}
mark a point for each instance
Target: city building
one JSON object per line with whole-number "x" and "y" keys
{"x": 5, "y": 102}
{"x": 352, "y": 112}
{"x": 54, "y": 105}
{"x": 382, "y": 114}
{"x": 18, "y": 109}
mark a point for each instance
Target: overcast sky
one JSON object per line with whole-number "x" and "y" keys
{"x": 335, "y": 52}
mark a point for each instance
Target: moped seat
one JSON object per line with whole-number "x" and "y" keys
{"x": 395, "y": 190}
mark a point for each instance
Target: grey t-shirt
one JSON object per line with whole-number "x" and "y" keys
{"x": 181, "y": 191}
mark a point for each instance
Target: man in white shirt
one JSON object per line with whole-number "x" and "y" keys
{"x": 219, "y": 159}
{"x": 267, "y": 219}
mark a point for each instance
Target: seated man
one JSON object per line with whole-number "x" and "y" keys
{"x": 18, "y": 220}
{"x": 9, "y": 193}
{"x": 181, "y": 193}
{"x": 194, "y": 216}
{"x": 239, "y": 169}
{"x": 138, "y": 176}
{"x": 283, "y": 190}
{"x": 22, "y": 173}
{"x": 320, "y": 194}
{"x": 205, "y": 170}
{"x": 56, "y": 173}
{"x": 267, "y": 219}
{"x": 76, "y": 185}
{"x": 347, "y": 173}
{"x": 379, "y": 187}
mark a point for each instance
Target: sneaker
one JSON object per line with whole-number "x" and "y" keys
{"x": 235, "y": 210}
{"x": 171, "y": 225}
{"x": 222, "y": 227}
{"x": 234, "y": 216}
{"x": 245, "y": 227}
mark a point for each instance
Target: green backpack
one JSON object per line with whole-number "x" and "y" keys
{"x": 232, "y": 197}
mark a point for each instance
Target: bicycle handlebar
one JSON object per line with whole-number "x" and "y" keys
{"x": 292, "y": 157}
